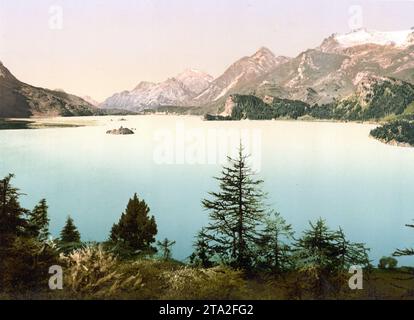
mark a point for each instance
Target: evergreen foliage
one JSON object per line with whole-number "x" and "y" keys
{"x": 401, "y": 131}
{"x": 38, "y": 221}
{"x": 236, "y": 213}
{"x": 165, "y": 248}
{"x": 70, "y": 233}
{"x": 136, "y": 230}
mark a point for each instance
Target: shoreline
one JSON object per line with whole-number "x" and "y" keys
{"x": 86, "y": 121}
{"x": 393, "y": 142}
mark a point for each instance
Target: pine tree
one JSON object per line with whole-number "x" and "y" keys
{"x": 321, "y": 255}
{"x": 70, "y": 233}
{"x": 235, "y": 213}
{"x": 136, "y": 230}
{"x": 274, "y": 248}
{"x": 38, "y": 222}
{"x": 24, "y": 261}
{"x": 12, "y": 225}
{"x": 201, "y": 256}
{"x": 12, "y": 222}
{"x": 165, "y": 247}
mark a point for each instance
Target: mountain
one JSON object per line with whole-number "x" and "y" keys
{"x": 333, "y": 70}
{"x": 195, "y": 88}
{"x": 240, "y": 75}
{"x": 177, "y": 91}
{"x": 360, "y": 37}
{"x": 19, "y": 100}
{"x": 375, "y": 98}
{"x": 323, "y": 75}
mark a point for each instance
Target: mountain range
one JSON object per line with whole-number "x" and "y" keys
{"x": 327, "y": 73}
{"x": 333, "y": 72}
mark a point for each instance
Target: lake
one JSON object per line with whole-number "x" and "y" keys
{"x": 311, "y": 170}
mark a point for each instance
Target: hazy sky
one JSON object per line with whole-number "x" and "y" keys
{"x": 105, "y": 46}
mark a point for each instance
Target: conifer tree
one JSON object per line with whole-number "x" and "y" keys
{"x": 405, "y": 252}
{"x": 329, "y": 250}
{"x": 322, "y": 254}
{"x": 202, "y": 254}
{"x": 236, "y": 212}
{"x": 70, "y": 233}
{"x": 12, "y": 222}
{"x": 136, "y": 230}
{"x": 165, "y": 247}
{"x": 274, "y": 247}
{"x": 38, "y": 221}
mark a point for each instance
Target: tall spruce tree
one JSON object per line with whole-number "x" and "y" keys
{"x": 136, "y": 230}
{"x": 38, "y": 221}
{"x": 236, "y": 212}
{"x": 70, "y": 233}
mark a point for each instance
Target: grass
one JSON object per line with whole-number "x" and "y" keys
{"x": 148, "y": 279}
{"x": 409, "y": 110}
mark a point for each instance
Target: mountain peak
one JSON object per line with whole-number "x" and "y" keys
{"x": 194, "y": 73}
{"x": 5, "y": 73}
{"x": 263, "y": 51}
{"x": 144, "y": 85}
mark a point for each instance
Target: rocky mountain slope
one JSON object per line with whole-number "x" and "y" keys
{"x": 322, "y": 75}
{"x": 18, "y": 99}
{"x": 375, "y": 98}
{"x": 240, "y": 75}
{"x": 333, "y": 70}
{"x": 177, "y": 91}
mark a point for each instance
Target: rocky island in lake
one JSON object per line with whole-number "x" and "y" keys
{"x": 120, "y": 131}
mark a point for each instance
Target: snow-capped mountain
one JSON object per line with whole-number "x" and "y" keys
{"x": 332, "y": 70}
{"x": 326, "y": 73}
{"x": 177, "y": 91}
{"x": 399, "y": 39}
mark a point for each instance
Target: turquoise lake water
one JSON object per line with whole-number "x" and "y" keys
{"x": 311, "y": 170}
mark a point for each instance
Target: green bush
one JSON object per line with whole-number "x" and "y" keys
{"x": 387, "y": 263}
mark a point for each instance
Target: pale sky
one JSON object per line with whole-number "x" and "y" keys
{"x": 107, "y": 46}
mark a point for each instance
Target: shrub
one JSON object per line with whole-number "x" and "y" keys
{"x": 387, "y": 263}
{"x": 93, "y": 273}
{"x": 215, "y": 283}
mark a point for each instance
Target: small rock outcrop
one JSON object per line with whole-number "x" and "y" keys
{"x": 120, "y": 131}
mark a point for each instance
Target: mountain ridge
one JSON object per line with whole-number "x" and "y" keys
{"x": 21, "y": 100}
{"x": 320, "y": 75}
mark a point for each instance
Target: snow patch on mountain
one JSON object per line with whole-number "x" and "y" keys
{"x": 364, "y": 36}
